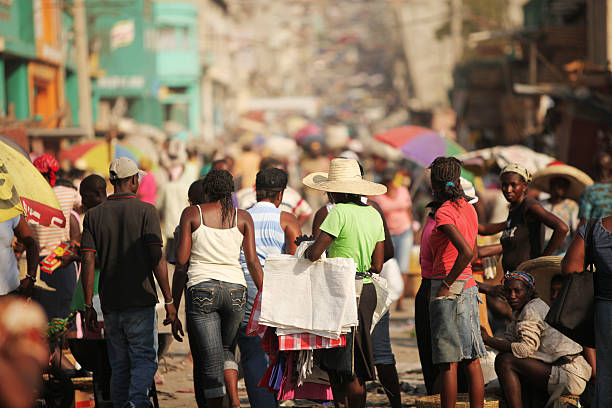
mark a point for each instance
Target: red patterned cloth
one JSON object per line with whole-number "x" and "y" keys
{"x": 307, "y": 341}
{"x": 46, "y": 163}
{"x": 253, "y": 327}
{"x": 300, "y": 341}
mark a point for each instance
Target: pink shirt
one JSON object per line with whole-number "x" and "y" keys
{"x": 396, "y": 210}
{"x": 463, "y": 216}
{"x": 147, "y": 191}
{"x": 427, "y": 257}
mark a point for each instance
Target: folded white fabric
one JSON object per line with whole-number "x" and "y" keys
{"x": 300, "y": 296}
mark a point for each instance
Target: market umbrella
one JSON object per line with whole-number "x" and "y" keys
{"x": 13, "y": 143}
{"x": 23, "y": 190}
{"x": 96, "y": 155}
{"x": 422, "y": 145}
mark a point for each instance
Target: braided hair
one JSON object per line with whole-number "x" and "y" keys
{"x": 445, "y": 174}
{"x": 218, "y": 185}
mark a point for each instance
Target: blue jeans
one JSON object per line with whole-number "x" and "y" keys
{"x": 455, "y": 324}
{"x": 254, "y": 364}
{"x": 603, "y": 341}
{"x": 214, "y": 312}
{"x": 381, "y": 342}
{"x": 403, "y": 248}
{"x": 131, "y": 340}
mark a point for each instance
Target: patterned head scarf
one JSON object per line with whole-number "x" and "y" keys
{"x": 47, "y": 164}
{"x": 518, "y": 169}
{"x": 522, "y": 276}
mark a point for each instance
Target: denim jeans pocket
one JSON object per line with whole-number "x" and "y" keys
{"x": 202, "y": 299}
{"x": 238, "y": 298}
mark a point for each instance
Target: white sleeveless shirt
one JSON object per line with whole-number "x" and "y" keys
{"x": 215, "y": 254}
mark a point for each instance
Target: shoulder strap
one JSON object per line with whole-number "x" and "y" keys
{"x": 201, "y": 215}
{"x": 588, "y": 243}
{"x": 235, "y": 222}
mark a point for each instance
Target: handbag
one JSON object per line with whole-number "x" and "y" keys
{"x": 572, "y": 312}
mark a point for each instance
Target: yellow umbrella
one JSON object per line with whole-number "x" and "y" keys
{"x": 23, "y": 190}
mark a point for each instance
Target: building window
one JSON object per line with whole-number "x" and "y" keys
{"x": 166, "y": 39}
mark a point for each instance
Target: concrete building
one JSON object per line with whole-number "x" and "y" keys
{"x": 123, "y": 64}
{"x": 38, "y": 89}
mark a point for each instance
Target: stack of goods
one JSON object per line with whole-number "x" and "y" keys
{"x": 303, "y": 306}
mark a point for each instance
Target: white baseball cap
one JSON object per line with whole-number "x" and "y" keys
{"x": 123, "y": 167}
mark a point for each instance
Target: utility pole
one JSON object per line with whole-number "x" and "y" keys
{"x": 83, "y": 81}
{"x": 456, "y": 29}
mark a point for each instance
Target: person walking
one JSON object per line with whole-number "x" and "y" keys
{"x": 453, "y": 307}
{"x": 293, "y": 202}
{"x": 275, "y": 233}
{"x": 62, "y": 281}
{"x": 93, "y": 193}
{"x": 601, "y": 256}
{"x": 355, "y": 230}
{"x": 384, "y": 359}
{"x": 210, "y": 238}
{"x": 397, "y": 208}
{"x": 125, "y": 234}
{"x": 596, "y": 200}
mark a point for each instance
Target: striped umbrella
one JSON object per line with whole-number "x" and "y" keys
{"x": 96, "y": 155}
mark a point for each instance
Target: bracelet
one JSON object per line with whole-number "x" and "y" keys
{"x": 32, "y": 278}
{"x": 169, "y": 303}
{"x": 89, "y": 307}
{"x": 445, "y": 284}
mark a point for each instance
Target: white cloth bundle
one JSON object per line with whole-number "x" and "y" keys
{"x": 300, "y": 296}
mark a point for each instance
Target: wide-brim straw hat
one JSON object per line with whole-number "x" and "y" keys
{"x": 577, "y": 179}
{"x": 344, "y": 176}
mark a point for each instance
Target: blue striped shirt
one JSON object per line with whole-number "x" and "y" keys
{"x": 269, "y": 239}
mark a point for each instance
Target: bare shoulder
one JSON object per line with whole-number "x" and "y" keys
{"x": 244, "y": 216}
{"x": 287, "y": 218}
{"x": 191, "y": 211}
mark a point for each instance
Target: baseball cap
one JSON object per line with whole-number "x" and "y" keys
{"x": 123, "y": 167}
{"x": 271, "y": 179}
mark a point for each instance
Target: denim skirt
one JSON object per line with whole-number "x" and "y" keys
{"x": 455, "y": 324}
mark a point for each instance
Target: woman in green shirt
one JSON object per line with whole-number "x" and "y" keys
{"x": 354, "y": 230}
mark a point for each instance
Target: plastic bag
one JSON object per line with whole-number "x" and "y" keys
{"x": 392, "y": 274}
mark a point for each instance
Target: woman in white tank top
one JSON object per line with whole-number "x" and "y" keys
{"x": 210, "y": 238}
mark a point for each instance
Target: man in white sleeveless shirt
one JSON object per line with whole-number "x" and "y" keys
{"x": 275, "y": 233}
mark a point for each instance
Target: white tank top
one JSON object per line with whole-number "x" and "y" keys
{"x": 215, "y": 254}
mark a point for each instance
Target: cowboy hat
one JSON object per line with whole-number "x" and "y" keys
{"x": 577, "y": 179}
{"x": 344, "y": 177}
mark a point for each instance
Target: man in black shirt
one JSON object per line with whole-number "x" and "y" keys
{"x": 126, "y": 235}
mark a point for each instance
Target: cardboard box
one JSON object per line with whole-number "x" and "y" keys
{"x": 83, "y": 399}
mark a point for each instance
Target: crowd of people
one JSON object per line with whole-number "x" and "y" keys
{"x": 218, "y": 225}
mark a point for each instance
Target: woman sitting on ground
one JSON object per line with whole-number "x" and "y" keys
{"x": 532, "y": 352}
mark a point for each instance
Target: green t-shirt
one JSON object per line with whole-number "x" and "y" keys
{"x": 356, "y": 229}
